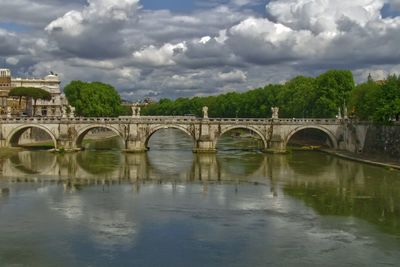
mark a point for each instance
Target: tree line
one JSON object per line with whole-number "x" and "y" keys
{"x": 300, "y": 97}
{"x": 377, "y": 101}
{"x": 306, "y": 97}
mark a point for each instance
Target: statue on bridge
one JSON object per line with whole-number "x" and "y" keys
{"x": 345, "y": 113}
{"x": 64, "y": 112}
{"x": 205, "y": 112}
{"x": 275, "y": 113}
{"x": 8, "y": 112}
{"x": 135, "y": 110}
{"x": 339, "y": 115}
{"x": 71, "y": 111}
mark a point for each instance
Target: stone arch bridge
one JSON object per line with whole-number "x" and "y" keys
{"x": 68, "y": 133}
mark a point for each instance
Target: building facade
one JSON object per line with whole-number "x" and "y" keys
{"x": 50, "y": 83}
{"x": 5, "y": 86}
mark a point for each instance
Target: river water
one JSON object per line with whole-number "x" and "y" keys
{"x": 170, "y": 207}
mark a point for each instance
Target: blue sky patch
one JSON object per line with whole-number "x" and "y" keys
{"x": 173, "y": 5}
{"x": 388, "y": 11}
{"x": 14, "y": 27}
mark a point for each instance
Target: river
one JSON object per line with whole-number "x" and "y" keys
{"x": 170, "y": 207}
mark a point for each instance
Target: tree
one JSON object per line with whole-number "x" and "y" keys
{"x": 388, "y": 101}
{"x": 30, "y": 93}
{"x": 299, "y": 97}
{"x": 19, "y": 92}
{"x": 333, "y": 90}
{"x": 364, "y": 100}
{"x": 93, "y": 99}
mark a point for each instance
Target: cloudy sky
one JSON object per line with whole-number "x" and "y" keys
{"x": 174, "y": 48}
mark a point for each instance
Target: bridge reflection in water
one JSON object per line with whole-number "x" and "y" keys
{"x": 330, "y": 185}
{"x": 113, "y": 203}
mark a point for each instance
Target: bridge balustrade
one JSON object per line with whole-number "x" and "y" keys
{"x": 168, "y": 119}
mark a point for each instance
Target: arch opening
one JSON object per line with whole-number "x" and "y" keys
{"x": 308, "y": 137}
{"x": 170, "y": 138}
{"x": 241, "y": 139}
{"x": 170, "y": 149}
{"x": 32, "y": 137}
{"x": 100, "y": 138}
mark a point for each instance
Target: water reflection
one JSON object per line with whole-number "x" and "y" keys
{"x": 329, "y": 185}
{"x": 120, "y": 207}
{"x": 112, "y": 165}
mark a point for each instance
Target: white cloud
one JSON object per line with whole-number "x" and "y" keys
{"x": 205, "y": 39}
{"x": 235, "y": 76}
{"x": 98, "y": 12}
{"x": 162, "y": 56}
{"x": 258, "y": 27}
{"x": 323, "y": 15}
{"x": 317, "y": 32}
{"x": 12, "y": 60}
{"x": 94, "y": 31}
{"x": 34, "y": 13}
{"x": 71, "y": 23}
{"x": 218, "y": 47}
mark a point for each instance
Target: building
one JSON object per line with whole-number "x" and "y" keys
{"x": 50, "y": 83}
{"x": 5, "y": 86}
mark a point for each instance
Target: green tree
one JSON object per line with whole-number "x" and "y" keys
{"x": 19, "y": 92}
{"x": 388, "y": 101}
{"x": 333, "y": 91}
{"x": 93, "y": 99}
{"x": 298, "y": 97}
{"x": 364, "y": 100}
{"x": 30, "y": 93}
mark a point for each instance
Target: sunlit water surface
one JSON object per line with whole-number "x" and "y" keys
{"x": 170, "y": 207}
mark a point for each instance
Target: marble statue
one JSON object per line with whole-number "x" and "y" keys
{"x": 275, "y": 112}
{"x": 133, "y": 107}
{"x": 205, "y": 112}
{"x": 63, "y": 111}
{"x": 72, "y": 112}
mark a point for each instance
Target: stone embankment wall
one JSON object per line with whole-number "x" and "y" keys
{"x": 383, "y": 141}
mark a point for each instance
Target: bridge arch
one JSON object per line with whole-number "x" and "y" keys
{"x": 82, "y": 133}
{"x": 15, "y": 134}
{"x": 246, "y": 127}
{"x": 330, "y": 135}
{"x": 162, "y": 127}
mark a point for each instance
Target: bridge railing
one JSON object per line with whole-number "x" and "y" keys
{"x": 167, "y": 119}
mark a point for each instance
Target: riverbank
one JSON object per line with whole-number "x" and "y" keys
{"x": 368, "y": 159}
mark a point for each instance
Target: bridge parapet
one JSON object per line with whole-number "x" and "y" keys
{"x": 309, "y": 121}
{"x": 166, "y": 119}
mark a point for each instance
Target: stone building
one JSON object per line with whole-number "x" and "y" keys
{"x": 50, "y": 83}
{"x": 5, "y": 86}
